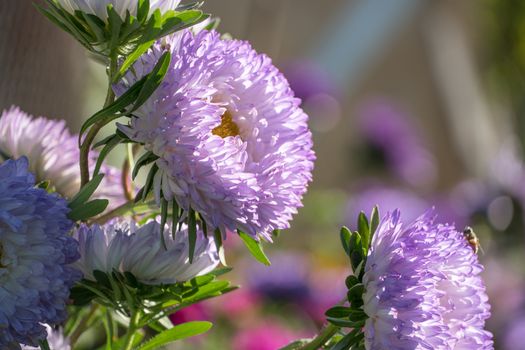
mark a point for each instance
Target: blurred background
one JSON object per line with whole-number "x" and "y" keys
{"x": 413, "y": 104}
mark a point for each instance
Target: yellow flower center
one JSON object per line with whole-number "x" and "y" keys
{"x": 227, "y": 127}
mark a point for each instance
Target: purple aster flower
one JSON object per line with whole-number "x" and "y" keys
{"x": 99, "y": 7}
{"x": 139, "y": 250}
{"x": 423, "y": 288}
{"x": 233, "y": 143}
{"x": 53, "y": 154}
{"x": 35, "y": 253}
{"x": 396, "y": 142}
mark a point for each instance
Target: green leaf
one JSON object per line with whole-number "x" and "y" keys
{"x": 374, "y": 221}
{"x": 115, "y": 23}
{"x": 174, "y": 217}
{"x": 115, "y": 140}
{"x": 142, "y": 10}
{"x": 111, "y": 112}
{"x": 88, "y": 210}
{"x": 192, "y": 233}
{"x": 143, "y": 194}
{"x": 132, "y": 58}
{"x": 338, "y": 312}
{"x": 44, "y": 345}
{"x": 86, "y": 192}
{"x": 145, "y": 159}
{"x": 217, "y": 237}
{"x": 163, "y": 219}
{"x": 185, "y": 330}
{"x": 296, "y": 345}
{"x": 345, "y": 343}
{"x": 153, "y": 79}
{"x": 255, "y": 248}
{"x": 351, "y": 281}
{"x": 340, "y": 322}
{"x": 345, "y": 236}
{"x": 364, "y": 230}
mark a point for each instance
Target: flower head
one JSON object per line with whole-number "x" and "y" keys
{"x": 53, "y": 154}
{"x": 232, "y": 142}
{"x": 99, "y": 7}
{"x": 423, "y": 288}
{"x": 140, "y": 250}
{"x": 35, "y": 253}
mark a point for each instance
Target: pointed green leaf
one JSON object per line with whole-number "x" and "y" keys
{"x": 153, "y": 79}
{"x": 115, "y": 140}
{"x": 217, "y": 237}
{"x": 182, "y": 331}
{"x": 345, "y": 236}
{"x": 364, "y": 230}
{"x": 145, "y": 159}
{"x": 374, "y": 221}
{"x": 255, "y": 248}
{"x": 88, "y": 210}
{"x": 192, "y": 233}
{"x": 163, "y": 219}
{"x": 111, "y": 112}
{"x": 86, "y": 192}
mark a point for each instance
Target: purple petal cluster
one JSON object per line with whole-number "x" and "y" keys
{"x": 35, "y": 253}
{"x": 423, "y": 288}
{"x": 233, "y": 143}
{"x": 53, "y": 154}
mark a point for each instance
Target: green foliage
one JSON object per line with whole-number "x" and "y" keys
{"x": 255, "y": 248}
{"x": 81, "y": 209}
{"x": 183, "y": 331}
{"x": 114, "y": 36}
{"x": 356, "y": 246}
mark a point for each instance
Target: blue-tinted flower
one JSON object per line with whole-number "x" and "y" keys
{"x": 423, "y": 288}
{"x": 99, "y": 7}
{"x": 55, "y": 339}
{"x": 139, "y": 250}
{"x": 232, "y": 141}
{"x": 35, "y": 253}
{"x": 287, "y": 279}
{"x": 53, "y": 154}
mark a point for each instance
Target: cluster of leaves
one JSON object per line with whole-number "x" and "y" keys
{"x": 129, "y": 37}
{"x": 356, "y": 245}
{"x": 152, "y": 303}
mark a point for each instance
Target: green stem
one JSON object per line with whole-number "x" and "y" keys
{"x": 326, "y": 334}
{"x": 133, "y": 327}
{"x": 86, "y": 320}
{"x": 92, "y": 133}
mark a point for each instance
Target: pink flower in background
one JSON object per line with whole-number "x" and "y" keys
{"x": 263, "y": 337}
{"x": 195, "y": 312}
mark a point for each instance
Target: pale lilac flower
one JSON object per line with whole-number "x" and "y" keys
{"x": 233, "y": 143}
{"x": 139, "y": 250}
{"x": 35, "y": 256}
{"x": 99, "y": 7}
{"x": 423, "y": 288}
{"x": 53, "y": 154}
